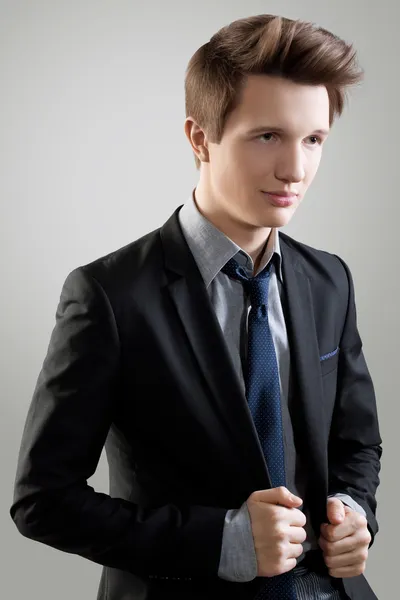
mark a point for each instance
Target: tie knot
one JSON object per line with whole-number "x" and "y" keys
{"x": 256, "y": 287}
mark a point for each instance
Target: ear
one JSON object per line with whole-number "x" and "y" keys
{"x": 197, "y": 139}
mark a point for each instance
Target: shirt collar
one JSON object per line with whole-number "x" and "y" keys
{"x": 212, "y": 249}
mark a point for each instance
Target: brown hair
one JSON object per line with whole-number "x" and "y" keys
{"x": 270, "y": 45}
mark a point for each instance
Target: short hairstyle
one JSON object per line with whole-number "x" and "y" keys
{"x": 271, "y": 45}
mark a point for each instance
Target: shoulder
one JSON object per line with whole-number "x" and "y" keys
{"x": 119, "y": 272}
{"x": 318, "y": 265}
{"x": 128, "y": 259}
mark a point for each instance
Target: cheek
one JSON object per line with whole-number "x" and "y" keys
{"x": 244, "y": 160}
{"x": 311, "y": 169}
{"x": 225, "y": 161}
{"x": 260, "y": 160}
{"x": 316, "y": 162}
{"x": 235, "y": 170}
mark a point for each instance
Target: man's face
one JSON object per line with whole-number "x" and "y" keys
{"x": 272, "y": 142}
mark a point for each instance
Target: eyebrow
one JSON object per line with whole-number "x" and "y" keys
{"x": 265, "y": 128}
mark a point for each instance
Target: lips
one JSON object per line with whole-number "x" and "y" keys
{"x": 281, "y": 194}
{"x": 279, "y": 200}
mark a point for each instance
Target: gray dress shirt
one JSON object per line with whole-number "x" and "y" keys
{"x": 211, "y": 250}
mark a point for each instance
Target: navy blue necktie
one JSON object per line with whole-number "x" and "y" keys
{"x": 263, "y": 396}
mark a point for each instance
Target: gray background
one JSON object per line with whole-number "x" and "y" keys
{"x": 93, "y": 155}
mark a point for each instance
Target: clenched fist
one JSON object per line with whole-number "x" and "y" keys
{"x": 344, "y": 540}
{"x": 278, "y": 530}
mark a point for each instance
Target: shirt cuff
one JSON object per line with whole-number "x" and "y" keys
{"x": 238, "y": 560}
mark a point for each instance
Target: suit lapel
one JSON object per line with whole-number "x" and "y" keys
{"x": 188, "y": 292}
{"x": 308, "y": 394}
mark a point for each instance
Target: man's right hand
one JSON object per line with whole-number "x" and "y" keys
{"x": 278, "y": 530}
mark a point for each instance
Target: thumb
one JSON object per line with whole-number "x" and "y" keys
{"x": 280, "y": 495}
{"x": 335, "y": 511}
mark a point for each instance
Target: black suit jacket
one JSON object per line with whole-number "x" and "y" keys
{"x": 137, "y": 362}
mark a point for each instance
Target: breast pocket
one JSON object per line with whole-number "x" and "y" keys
{"x": 329, "y": 361}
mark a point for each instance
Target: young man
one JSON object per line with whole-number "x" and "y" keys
{"x": 219, "y": 361}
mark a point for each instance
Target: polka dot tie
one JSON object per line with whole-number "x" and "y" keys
{"x": 263, "y": 396}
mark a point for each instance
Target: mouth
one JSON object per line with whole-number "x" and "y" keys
{"x": 281, "y": 200}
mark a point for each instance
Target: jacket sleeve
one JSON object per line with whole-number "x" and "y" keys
{"x": 355, "y": 443}
{"x": 67, "y": 423}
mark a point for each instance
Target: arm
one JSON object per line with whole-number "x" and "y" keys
{"x": 355, "y": 442}
{"x": 66, "y": 427}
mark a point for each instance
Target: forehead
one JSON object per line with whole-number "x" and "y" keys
{"x": 271, "y": 100}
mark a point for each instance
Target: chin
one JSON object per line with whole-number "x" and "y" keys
{"x": 279, "y": 218}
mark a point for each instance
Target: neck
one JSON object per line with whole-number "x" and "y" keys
{"x": 249, "y": 238}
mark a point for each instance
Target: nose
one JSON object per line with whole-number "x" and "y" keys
{"x": 290, "y": 165}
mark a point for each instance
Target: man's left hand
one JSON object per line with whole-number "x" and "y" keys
{"x": 344, "y": 540}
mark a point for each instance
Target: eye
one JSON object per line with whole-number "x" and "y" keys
{"x": 316, "y": 140}
{"x": 265, "y": 135}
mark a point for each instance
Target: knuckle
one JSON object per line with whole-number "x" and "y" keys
{"x": 281, "y": 550}
{"x": 282, "y": 492}
{"x": 362, "y": 520}
{"x": 329, "y": 536}
{"x": 276, "y": 516}
{"x": 323, "y": 545}
{"x": 251, "y": 500}
{"x": 360, "y": 569}
{"x": 254, "y": 496}
{"x": 280, "y": 535}
{"x": 364, "y": 555}
{"x": 328, "y": 560}
{"x": 368, "y": 537}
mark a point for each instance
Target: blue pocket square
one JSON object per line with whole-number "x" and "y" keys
{"x": 329, "y": 355}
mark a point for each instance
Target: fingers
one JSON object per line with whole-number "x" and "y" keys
{"x": 295, "y": 517}
{"x": 289, "y": 516}
{"x": 336, "y": 548}
{"x": 279, "y": 495}
{"x": 348, "y": 544}
{"x": 346, "y": 556}
{"x": 352, "y": 523}
{"x": 346, "y": 560}
{"x": 351, "y": 571}
{"x": 297, "y": 535}
{"x": 291, "y": 563}
{"x": 277, "y": 527}
{"x": 295, "y": 551}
